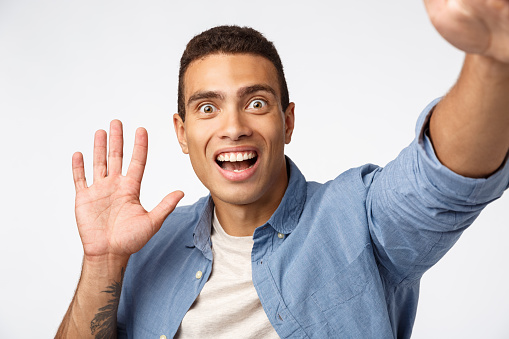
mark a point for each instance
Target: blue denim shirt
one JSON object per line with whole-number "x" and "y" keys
{"x": 349, "y": 264}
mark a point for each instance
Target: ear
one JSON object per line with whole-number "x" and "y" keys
{"x": 289, "y": 122}
{"x": 180, "y": 131}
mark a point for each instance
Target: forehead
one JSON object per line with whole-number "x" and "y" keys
{"x": 228, "y": 72}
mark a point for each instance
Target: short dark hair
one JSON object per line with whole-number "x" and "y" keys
{"x": 230, "y": 40}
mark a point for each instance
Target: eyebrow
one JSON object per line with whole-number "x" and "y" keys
{"x": 205, "y": 95}
{"x": 240, "y": 93}
{"x": 256, "y": 88}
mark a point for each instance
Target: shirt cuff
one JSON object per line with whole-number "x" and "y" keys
{"x": 449, "y": 183}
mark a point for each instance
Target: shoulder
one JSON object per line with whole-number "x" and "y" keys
{"x": 341, "y": 203}
{"x": 357, "y": 179}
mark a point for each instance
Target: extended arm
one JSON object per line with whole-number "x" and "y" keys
{"x": 112, "y": 226}
{"x": 469, "y": 128}
{"x": 418, "y": 207}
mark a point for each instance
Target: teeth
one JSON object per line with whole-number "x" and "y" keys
{"x": 243, "y": 169}
{"x": 236, "y": 156}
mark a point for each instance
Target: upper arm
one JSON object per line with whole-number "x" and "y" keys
{"x": 418, "y": 208}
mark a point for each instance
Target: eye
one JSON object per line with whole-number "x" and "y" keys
{"x": 257, "y": 104}
{"x": 208, "y": 109}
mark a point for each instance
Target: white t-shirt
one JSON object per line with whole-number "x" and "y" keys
{"x": 228, "y": 306}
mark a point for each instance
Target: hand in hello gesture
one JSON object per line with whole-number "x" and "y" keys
{"x": 474, "y": 26}
{"x": 110, "y": 218}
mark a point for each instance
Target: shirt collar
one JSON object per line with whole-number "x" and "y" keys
{"x": 287, "y": 215}
{"x": 284, "y": 220}
{"x": 202, "y": 230}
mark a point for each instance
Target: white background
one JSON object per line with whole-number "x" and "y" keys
{"x": 360, "y": 72}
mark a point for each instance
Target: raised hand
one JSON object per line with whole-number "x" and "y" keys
{"x": 474, "y": 26}
{"x": 110, "y": 218}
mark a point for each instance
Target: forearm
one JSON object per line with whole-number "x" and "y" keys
{"x": 469, "y": 128}
{"x": 93, "y": 310}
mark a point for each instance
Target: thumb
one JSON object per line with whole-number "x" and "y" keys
{"x": 165, "y": 207}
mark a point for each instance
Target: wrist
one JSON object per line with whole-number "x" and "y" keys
{"x": 105, "y": 266}
{"x": 110, "y": 259}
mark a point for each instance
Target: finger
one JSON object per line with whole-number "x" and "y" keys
{"x": 165, "y": 207}
{"x": 116, "y": 148}
{"x": 78, "y": 172}
{"x": 100, "y": 169}
{"x": 139, "y": 158}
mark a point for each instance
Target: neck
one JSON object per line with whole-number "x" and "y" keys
{"x": 241, "y": 220}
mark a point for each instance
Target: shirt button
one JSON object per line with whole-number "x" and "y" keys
{"x": 199, "y": 274}
{"x": 280, "y": 235}
{"x": 162, "y": 337}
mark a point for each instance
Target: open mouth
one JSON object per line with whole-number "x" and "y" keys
{"x": 236, "y": 161}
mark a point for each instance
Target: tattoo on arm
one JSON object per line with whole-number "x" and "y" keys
{"x": 104, "y": 323}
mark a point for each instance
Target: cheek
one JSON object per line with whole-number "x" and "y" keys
{"x": 275, "y": 129}
{"x": 197, "y": 144}
{"x": 274, "y": 137}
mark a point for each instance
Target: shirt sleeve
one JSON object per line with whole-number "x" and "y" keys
{"x": 418, "y": 208}
{"x": 124, "y": 307}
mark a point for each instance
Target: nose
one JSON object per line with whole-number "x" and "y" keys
{"x": 235, "y": 125}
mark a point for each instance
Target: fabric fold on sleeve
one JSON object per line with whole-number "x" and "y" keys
{"x": 418, "y": 208}
{"x": 470, "y": 190}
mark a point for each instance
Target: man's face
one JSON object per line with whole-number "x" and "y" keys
{"x": 235, "y": 129}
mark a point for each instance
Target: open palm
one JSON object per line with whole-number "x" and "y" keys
{"x": 110, "y": 218}
{"x": 474, "y": 26}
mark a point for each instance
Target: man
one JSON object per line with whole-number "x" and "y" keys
{"x": 269, "y": 254}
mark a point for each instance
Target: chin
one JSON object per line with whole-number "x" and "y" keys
{"x": 237, "y": 197}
